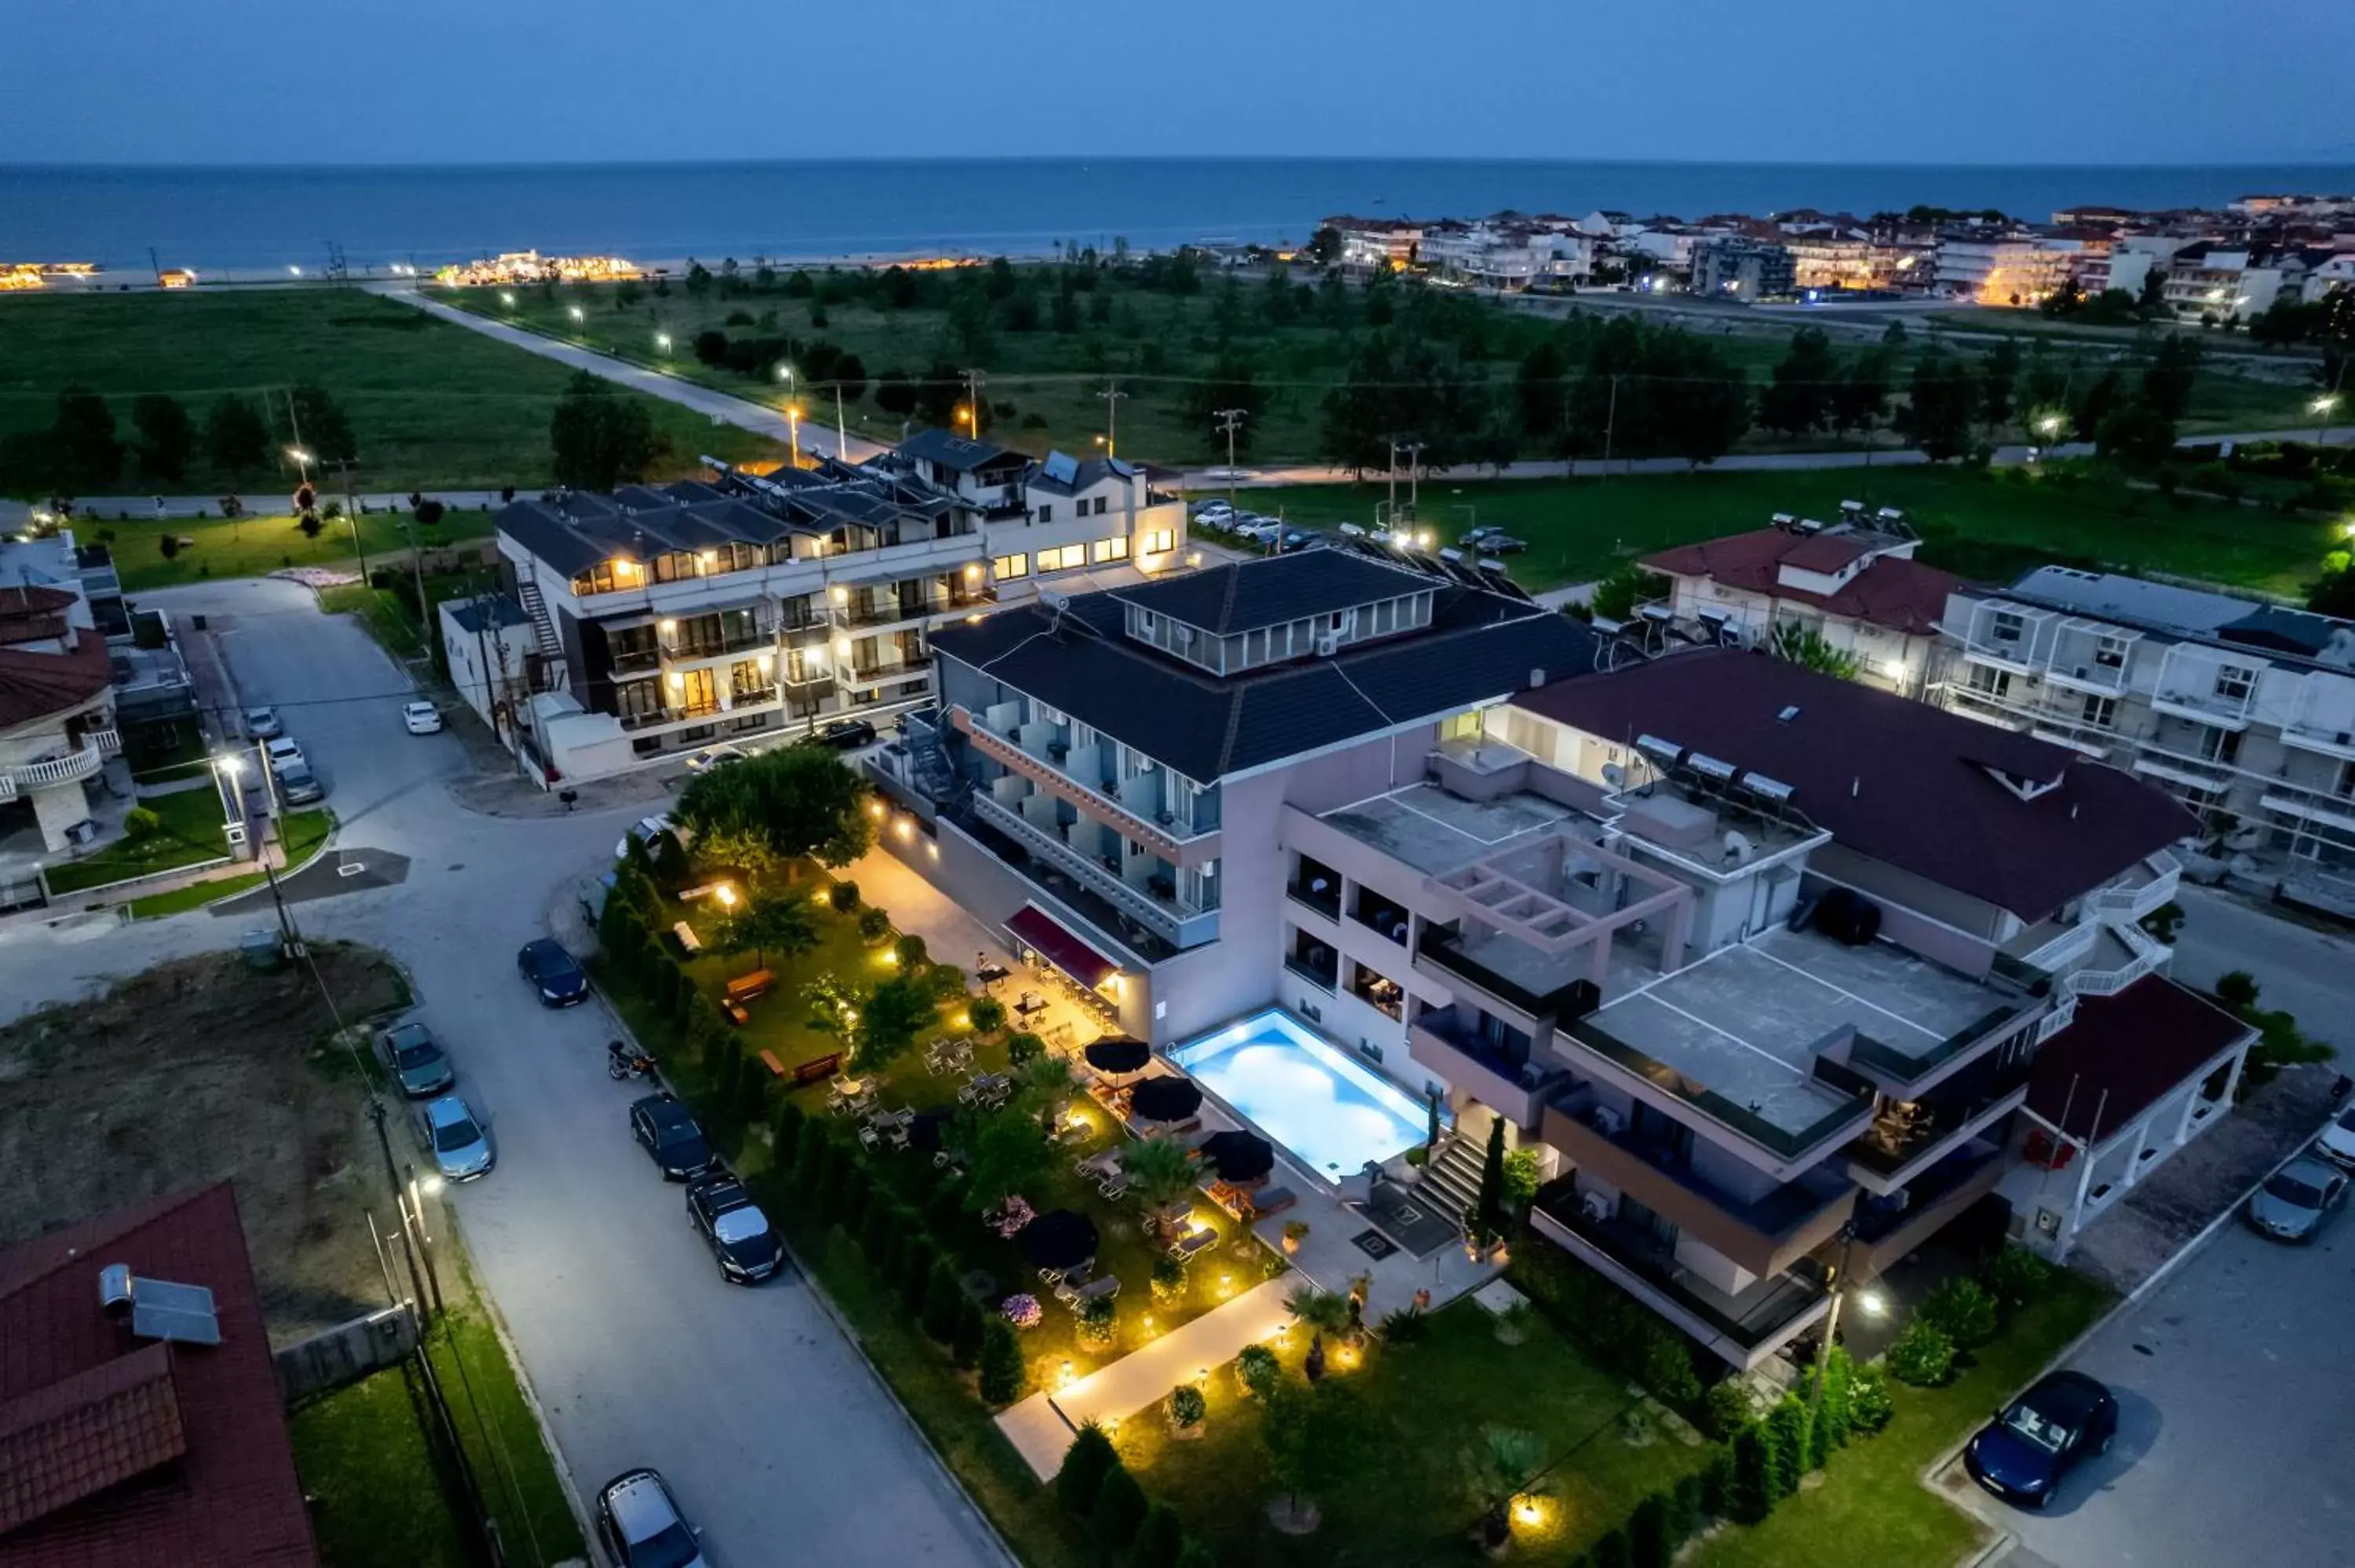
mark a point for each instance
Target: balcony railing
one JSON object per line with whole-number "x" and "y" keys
{"x": 1444, "y": 950}
{"x": 1895, "y": 1067}
{"x": 1326, "y": 902}
{"x": 1170, "y": 840}
{"x": 2145, "y": 890}
{"x": 1173, "y": 923}
{"x": 2148, "y": 952}
{"x": 1838, "y": 1122}
{"x": 1517, "y": 1090}
{"x": 1906, "y": 1133}
{"x": 25, "y": 777}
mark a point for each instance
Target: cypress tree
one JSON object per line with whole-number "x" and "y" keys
{"x": 1488, "y": 1210}
{"x": 1002, "y": 1372}
{"x": 1120, "y": 1509}
{"x": 1090, "y": 1459}
{"x": 1751, "y": 1496}
{"x": 971, "y": 1332}
{"x": 943, "y": 1297}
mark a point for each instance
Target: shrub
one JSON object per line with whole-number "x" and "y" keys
{"x": 1168, "y": 1280}
{"x": 971, "y": 1332}
{"x": 1257, "y": 1370}
{"x": 1197, "y": 1554}
{"x": 944, "y": 1210}
{"x": 989, "y": 1014}
{"x": 1921, "y": 1356}
{"x": 874, "y": 924}
{"x": 784, "y": 1131}
{"x": 913, "y": 1274}
{"x": 1187, "y": 1406}
{"x": 1648, "y": 1533}
{"x": 1097, "y": 1322}
{"x": 1159, "y": 1539}
{"x": 1002, "y": 1371}
{"x": 1022, "y": 1311}
{"x": 139, "y": 822}
{"x": 834, "y": 1170}
{"x": 1685, "y": 1507}
{"x": 2015, "y": 1277}
{"x": 1667, "y": 1369}
{"x": 1869, "y": 1403}
{"x": 843, "y": 897}
{"x": 1717, "y": 1488}
{"x": 1961, "y": 1309}
{"x": 1404, "y": 1327}
{"x": 1119, "y": 1510}
{"x": 947, "y": 981}
{"x": 879, "y": 1224}
{"x": 942, "y": 1298}
{"x": 751, "y": 1098}
{"x": 809, "y": 1163}
{"x": 1086, "y": 1463}
{"x": 1829, "y": 1431}
{"x": 1727, "y": 1408}
{"x": 1750, "y": 1495}
{"x": 909, "y": 950}
{"x": 1612, "y": 1551}
{"x": 859, "y": 1188}
{"x": 1023, "y": 1047}
{"x": 1788, "y": 1422}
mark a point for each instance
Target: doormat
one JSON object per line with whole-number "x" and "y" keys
{"x": 1374, "y": 1244}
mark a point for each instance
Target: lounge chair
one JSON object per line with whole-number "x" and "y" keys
{"x": 1099, "y": 1290}
{"x": 1269, "y": 1201}
{"x": 1192, "y": 1242}
{"x": 1114, "y": 1187}
{"x": 1102, "y": 1162}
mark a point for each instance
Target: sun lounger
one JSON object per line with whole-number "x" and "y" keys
{"x": 1102, "y": 1162}
{"x": 1113, "y": 1186}
{"x": 1187, "y": 1245}
{"x": 1269, "y": 1201}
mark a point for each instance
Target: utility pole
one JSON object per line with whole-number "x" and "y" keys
{"x": 1111, "y": 395}
{"x": 974, "y": 380}
{"x": 1610, "y": 423}
{"x": 156, "y": 265}
{"x": 352, "y": 516}
{"x": 1393, "y": 482}
{"x": 841, "y": 429}
{"x": 1413, "y": 451}
{"x": 483, "y": 611}
{"x": 1229, "y": 421}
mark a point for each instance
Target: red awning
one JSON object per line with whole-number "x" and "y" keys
{"x": 1042, "y": 932}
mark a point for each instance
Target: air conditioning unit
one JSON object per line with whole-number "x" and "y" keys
{"x": 1594, "y": 1206}
{"x": 1607, "y": 1121}
{"x": 1327, "y": 644}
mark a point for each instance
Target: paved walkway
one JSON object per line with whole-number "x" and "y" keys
{"x": 1040, "y": 1427}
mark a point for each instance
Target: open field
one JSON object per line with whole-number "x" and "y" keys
{"x": 1976, "y": 524}
{"x": 431, "y": 404}
{"x": 190, "y": 834}
{"x": 255, "y": 547}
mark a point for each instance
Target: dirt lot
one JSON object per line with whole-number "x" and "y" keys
{"x": 199, "y": 1070}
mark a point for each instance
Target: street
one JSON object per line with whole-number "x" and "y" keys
{"x": 2232, "y": 1382}
{"x": 2298, "y": 970}
{"x": 764, "y": 1417}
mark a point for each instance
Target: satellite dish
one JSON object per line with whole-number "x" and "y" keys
{"x": 1614, "y": 776}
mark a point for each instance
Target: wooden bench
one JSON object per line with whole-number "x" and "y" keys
{"x": 817, "y": 1068}
{"x": 689, "y": 942}
{"x": 744, "y": 989}
{"x": 769, "y": 1060}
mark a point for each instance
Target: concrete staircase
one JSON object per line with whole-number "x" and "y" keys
{"x": 543, "y": 627}
{"x": 1450, "y": 1182}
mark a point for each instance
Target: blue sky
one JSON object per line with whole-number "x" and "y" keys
{"x": 460, "y": 80}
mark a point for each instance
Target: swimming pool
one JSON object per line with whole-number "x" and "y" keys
{"x": 1328, "y": 1112}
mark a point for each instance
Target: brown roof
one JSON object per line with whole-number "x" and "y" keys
{"x": 171, "y": 1457}
{"x": 1896, "y": 779}
{"x": 29, "y": 614}
{"x": 35, "y": 685}
{"x": 1894, "y": 591}
{"x": 2121, "y": 1054}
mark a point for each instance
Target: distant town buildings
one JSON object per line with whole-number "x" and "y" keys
{"x": 1740, "y": 268}
{"x": 515, "y": 267}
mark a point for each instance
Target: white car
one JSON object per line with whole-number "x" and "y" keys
{"x": 422, "y": 718}
{"x": 712, "y": 756}
{"x": 283, "y": 754}
{"x": 262, "y": 723}
{"x": 2337, "y": 1143}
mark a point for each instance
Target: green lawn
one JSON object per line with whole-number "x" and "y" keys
{"x": 304, "y": 832}
{"x": 254, "y": 547}
{"x": 1872, "y": 1511}
{"x": 521, "y": 1486}
{"x": 1980, "y": 524}
{"x": 190, "y": 833}
{"x": 381, "y": 1498}
{"x": 431, "y": 404}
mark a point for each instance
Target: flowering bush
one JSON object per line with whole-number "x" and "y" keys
{"x": 1011, "y": 1215}
{"x": 1023, "y": 1311}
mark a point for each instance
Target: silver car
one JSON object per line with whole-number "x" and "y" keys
{"x": 641, "y": 1523}
{"x": 2296, "y": 1199}
{"x": 460, "y": 1142}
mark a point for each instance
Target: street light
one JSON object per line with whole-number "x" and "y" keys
{"x": 2320, "y": 408}
{"x": 302, "y": 458}
{"x": 1872, "y": 1303}
{"x": 506, "y": 298}
{"x": 794, "y": 430}
{"x": 576, "y": 312}
{"x": 662, "y": 340}
{"x": 2052, "y": 425}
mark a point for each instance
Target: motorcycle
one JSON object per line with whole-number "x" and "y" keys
{"x": 621, "y": 1063}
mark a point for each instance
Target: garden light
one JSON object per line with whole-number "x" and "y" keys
{"x": 1872, "y": 1303}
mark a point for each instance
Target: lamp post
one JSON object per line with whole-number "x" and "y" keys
{"x": 1872, "y": 1303}
{"x": 662, "y": 342}
{"x": 226, "y": 770}
{"x": 302, "y": 457}
{"x": 2321, "y": 408}
{"x": 794, "y": 430}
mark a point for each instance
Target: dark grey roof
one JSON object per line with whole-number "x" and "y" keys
{"x": 1070, "y": 476}
{"x": 572, "y": 531}
{"x": 954, "y": 453}
{"x": 502, "y": 610}
{"x": 1243, "y": 595}
{"x": 1479, "y": 646}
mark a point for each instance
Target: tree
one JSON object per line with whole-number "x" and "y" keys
{"x": 1861, "y": 399}
{"x": 943, "y": 1299}
{"x": 2106, "y": 393}
{"x": 1788, "y": 1423}
{"x": 1753, "y": 1494}
{"x": 1002, "y": 1371}
{"x": 765, "y": 925}
{"x": 166, "y": 436}
{"x": 972, "y": 1332}
{"x": 1806, "y": 647}
{"x": 1488, "y": 1208}
{"x": 1940, "y": 402}
{"x": 1313, "y": 1434}
{"x": 898, "y": 1010}
{"x": 1507, "y": 1461}
{"x": 600, "y": 440}
{"x": 710, "y": 347}
{"x": 84, "y": 452}
{"x": 1325, "y": 246}
{"x": 1998, "y": 379}
{"x": 1088, "y": 1459}
{"x": 1119, "y": 1511}
{"x": 2137, "y": 436}
{"x": 1799, "y": 397}
{"x": 1159, "y": 1539}
{"x": 1159, "y": 1171}
{"x": 2168, "y": 379}
{"x": 792, "y": 803}
{"x": 1650, "y": 1544}
{"x": 326, "y": 432}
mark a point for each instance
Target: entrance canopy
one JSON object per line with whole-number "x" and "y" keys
{"x": 1045, "y": 935}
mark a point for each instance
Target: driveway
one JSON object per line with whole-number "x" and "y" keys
{"x": 2232, "y": 1381}
{"x": 763, "y": 1416}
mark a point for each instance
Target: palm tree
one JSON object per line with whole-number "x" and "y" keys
{"x": 1159, "y": 1171}
{"x": 1324, "y": 1311}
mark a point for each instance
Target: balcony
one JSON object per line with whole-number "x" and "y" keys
{"x": 2307, "y": 736}
{"x": 1743, "y": 1330}
{"x": 2185, "y": 768}
{"x": 1321, "y": 892}
{"x": 1908, "y": 1135}
{"x": 1454, "y": 1050}
{"x": 1887, "y": 1234}
{"x": 1895, "y": 1069}
{"x": 1851, "y": 1116}
{"x": 1173, "y": 924}
{"x": 1064, "y": 896}
{"x": 893, "y": 670}
{"x": 1171, "y": 840}
{"x": 24, "y": 778}
{"x": 1446, "y": 952}
{"x": 2124, "y": 955}
{"x": 2142, "y": 891}
{"x": 1764, "y": 1235}
{"x": 638, "y": 662}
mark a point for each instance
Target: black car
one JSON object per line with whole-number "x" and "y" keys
{"x": 556, "y": 974}
{"x": 2040, "y": 1437}
{"x": 844, "y": 734}
{"x": 670, "y": 1135}
{"x": 733, "y": 1226}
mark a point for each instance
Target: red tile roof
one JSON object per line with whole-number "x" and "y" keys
{"x": 229, "y": 1495}
{"x": 1896, "y": 592}
{"x": 35, "y": 685}
{"x": 2122, "y": 1053}
{"x": 1899, "y": 781}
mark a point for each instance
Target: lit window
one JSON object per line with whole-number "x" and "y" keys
{"x": 1160, "y": 542}
{"x": 1113, "y": 549}
{"x": 1006, "y": 568}
{"x": 1063, "y": 559}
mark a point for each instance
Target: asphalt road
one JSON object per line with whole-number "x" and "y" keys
{"x": 2232, "y": 1381}
{"x": 761, "y": 1414}
{"x": 2298, "y": 968}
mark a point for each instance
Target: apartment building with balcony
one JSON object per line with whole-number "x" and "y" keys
{"x": 1852, "y": 582}
{"x": 56, "y": 698}
{"x": 1740, "y": 267}
{"x": 1116, "y": 770}
{"x": 2242, "y": 710}
{"x": 1764, "y": 964}
{"x": 665, "y": 618}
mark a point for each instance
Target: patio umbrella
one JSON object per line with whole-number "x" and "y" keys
{"x": 1060, "y": 1238}
{"x": 1165, "y": 1099}
{"x": 1238, "y": 1156}
{"x": 1117, "y": 1053}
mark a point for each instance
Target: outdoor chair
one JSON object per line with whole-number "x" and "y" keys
{"x": 1114, "y": 1186}
{"x": 1187, "y": 1245}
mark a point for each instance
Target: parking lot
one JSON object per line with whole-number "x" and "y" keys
{"x": 2231, "y": 1380}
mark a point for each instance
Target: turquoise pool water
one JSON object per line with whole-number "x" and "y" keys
{"x": 1324, "y": 1108}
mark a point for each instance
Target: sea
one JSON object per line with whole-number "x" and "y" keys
{"x": 271, "y": 219}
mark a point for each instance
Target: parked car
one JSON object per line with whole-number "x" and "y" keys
{"x": 1502, "y": 544}
{"x": 1472, "y": 538}
{"x": 2337, "y": 1143}
{"x": 671, "y": 1137}
{"x": 298, "y": 786}
{"x": 646, "y": 830}
{"x": 2038, "y": 1438}
{"x": 556, "y": 974}
{"x": 283, "y": 753}
{"x": 844, "y": 734}
{"x": 642, "y": 1525}
{"x": 2296, "y": 1199}
{"x": 422, "y": 718}
{"x": 262, "y": 723}
{"x": 594, "y": 891}
{"x": 734, "y": 1228}
{"x": 417, "y": 1062}
{"x": 461, "y": 1144}
{"x": 712, "y": 756}
{"x": 1213, "y": 511}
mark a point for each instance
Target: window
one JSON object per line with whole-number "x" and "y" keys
{"x": 1006, "y": 568}
{"x": 1146, "y": 624}
{"x": 1990, "y": 682}
{"x": 2110, "y": 652}
{"x": 2005, "y": 626}
{"x": 1063, "y": 559}
{"x": 1046, "y": 514}
{"x": 1160, "y": 542}
{"x": 2219, "y": 745}
{"x": 1113, "y": 549}
{"x": 2234, "y": 682}
{"x": 1461, "y": 727}
{"x": 1101, "y": 501}
{"x": 2102, "y": 713}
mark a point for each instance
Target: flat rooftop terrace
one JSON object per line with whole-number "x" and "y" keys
{"x": 1749, "y": 1021}
{"x": 1436, "y": 832}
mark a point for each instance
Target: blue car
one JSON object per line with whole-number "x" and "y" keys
{"x": 556, "y": 974}
{"x": 2040, "y": 1437}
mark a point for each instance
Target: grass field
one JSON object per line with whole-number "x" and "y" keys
{"x": 1581, "y": 529}
{"x": 431, "y": 404}
{"x": 377, "y": 1488}
{"x": 255, "y": 547}
{"x": 305, "y": 833}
